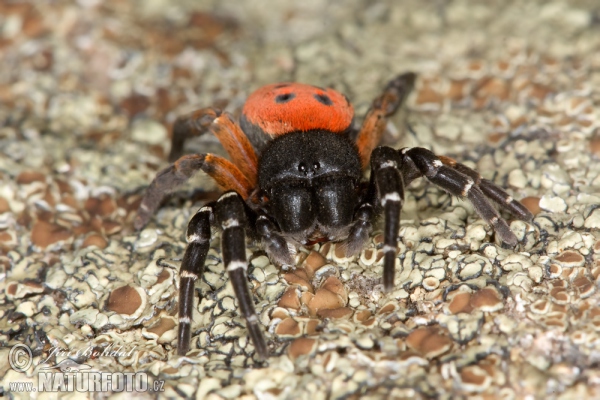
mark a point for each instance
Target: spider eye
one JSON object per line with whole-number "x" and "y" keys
{"x": 302, "y": 167}
{"x": 316, "y": 165}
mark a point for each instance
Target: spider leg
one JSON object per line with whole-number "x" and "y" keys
{"x": 274, "y": 244}
{"x": 192, "y": 267}
{"x": 361, "y": 227}
{"x": 491, "y": 190}
{"x": 189, "y": 125}
{"x": 458, "y": 181}
{"x": 225, "y": 129}
{"x": 387, "y": 179}
{"x": 227, "y": 175}
{"x": 385, "y": 105}
{"x": 231, "y": 216}
{"x": 237, "y": 145}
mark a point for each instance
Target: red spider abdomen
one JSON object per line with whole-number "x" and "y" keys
{"x": 282, "y": 108}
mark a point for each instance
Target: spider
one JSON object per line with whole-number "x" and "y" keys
{"x": 296, "y": 178}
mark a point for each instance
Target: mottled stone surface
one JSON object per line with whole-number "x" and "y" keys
{"x": 88, "y": 93}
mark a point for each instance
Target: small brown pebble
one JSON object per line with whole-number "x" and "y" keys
{"x": 164, "y": 275}
{"x": 300, "y": 278}
{"x": 134, "y": 104}
{"x": 428, "y": 96}
{"x": 290, "y": 299}
{"x": 340, "y": 250}
{"x": 369, "y": 322}
{"x": 532, "y": 204}
{"x": 496, "y": 137}
{"x": 301, "y": 347}
{"x": 324, "y": 299}
{"x": 12, "y": 288}
{"x": 570, "y": 259}
{"x": 540, "y": 307}
{"x": 559, "y": 296}
{"x": 595, "y": 145}
{"x": 457, "y": 89}
{"x": 311, "y": 326}
{"x": 474, "y": 379}
{"x": 288, "y": 327}
{"x": 585, "y": 287}
{"x": 556, "y": 323}
{"x": 4, "y": 206}
{"x": 81, "y": 229}
{"x": 49, "y": 197}
{"x": 487, "y": 299}
{"x": 102, "y": 206}
{"x": 428, "y": 342}
{"x": 313, "y": 262}
{"x": 163, "y": 325}
{"x": 334, "y": 285}
{"x": 7, "y": 240}
{"x": 378, "y": 239}
{"x": 306, "y": 298}
{"x": 388, "y": 308}
{"x": 45, "y": 233}
{"x": 337, "y": 313}
{"x": 460, "y": 303}
{"x": 281, "y": 313}
{"x": 124, "y": 300}
{"x": 493, "y": 87}
{"x": 94, "y": 240}
{"x": 363, "y": 315}
{"x": 27, "y": 177}
{"x": 111, "y": 227}
{"x": 554, "y": 270}
{"x": 324, "y": 250}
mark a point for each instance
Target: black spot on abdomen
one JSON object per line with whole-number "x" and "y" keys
{"x": 323, "y": 99}
{"x": 284, "y": 98}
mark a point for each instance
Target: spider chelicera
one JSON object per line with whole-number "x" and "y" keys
{"x": 296, "y": 178}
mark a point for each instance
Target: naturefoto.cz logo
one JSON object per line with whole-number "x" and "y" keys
{"x": 69, "y": 375}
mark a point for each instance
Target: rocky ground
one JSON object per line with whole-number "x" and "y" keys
{"x": 89, "y": 90}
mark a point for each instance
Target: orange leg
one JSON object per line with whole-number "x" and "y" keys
{"x": 237, "y": 146}
{"x": 225, "y": 129}
{"x": 226, "y": 174}
{"x": 383, "y": 106}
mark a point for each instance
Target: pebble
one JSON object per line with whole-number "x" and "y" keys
{"x": 552, "y": 204}
{"x": 128, "y": 301}
{"x": 517, "y": 179}
{"x": 148, "y": 131}
{"x": 593, "y": 220}
{"x": 147, "y": 238}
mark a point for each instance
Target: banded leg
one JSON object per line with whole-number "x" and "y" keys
{"x": 167, "y": 180}
{"x": 192, "y": 267}
{"x": 274, "y": 244}
{"x": 385, "y": 173}
{"x": 385, "y": 105}
{"x": 457, "y": 183}
{"x": 231, "y": 216}
{"x": 491, "y": 190}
